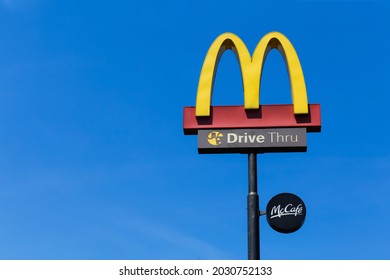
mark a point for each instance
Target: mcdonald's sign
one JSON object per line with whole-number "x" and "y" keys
{"x": 251, "y": 115}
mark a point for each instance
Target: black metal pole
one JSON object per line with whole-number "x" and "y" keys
{"x": 253, "y": 210}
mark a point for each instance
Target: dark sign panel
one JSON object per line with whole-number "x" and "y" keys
{"x": 252, "y": 140}
{"x": 286, "y": 213}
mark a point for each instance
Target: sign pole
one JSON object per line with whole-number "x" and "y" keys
{"x": 253, "y": 209}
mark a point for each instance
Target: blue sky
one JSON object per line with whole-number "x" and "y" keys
{"x": 93, "y": 160}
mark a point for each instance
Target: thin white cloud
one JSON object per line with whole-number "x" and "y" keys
{"x": 180, "y": 240}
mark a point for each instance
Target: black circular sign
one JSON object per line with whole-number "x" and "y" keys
{"x": 286, "y": 213}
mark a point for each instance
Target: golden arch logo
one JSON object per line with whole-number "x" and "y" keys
{"x": 251, "y": 70}
{"x": 252, "y": 115}
{"x": 214, "y": 138}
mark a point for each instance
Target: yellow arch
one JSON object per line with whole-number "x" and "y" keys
{"x": 251, "y": 70}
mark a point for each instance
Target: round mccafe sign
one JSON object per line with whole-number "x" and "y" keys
{"x": 286, "y": 213}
